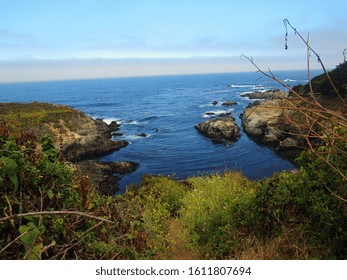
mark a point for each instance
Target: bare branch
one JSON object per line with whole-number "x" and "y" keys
{"x": 39, "y": 213}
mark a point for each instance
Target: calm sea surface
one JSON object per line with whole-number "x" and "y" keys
{"x": 166, "y": 108}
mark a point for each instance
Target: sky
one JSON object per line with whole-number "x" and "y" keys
{"x": 79, "y": 39}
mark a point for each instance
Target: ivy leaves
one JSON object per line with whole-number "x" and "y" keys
{"x": 9, "y": 168}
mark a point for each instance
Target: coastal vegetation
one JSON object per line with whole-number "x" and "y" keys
{"x": 48, "y": 212}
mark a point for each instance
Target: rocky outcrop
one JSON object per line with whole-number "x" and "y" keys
{"x": 142, "y": 134}
{"x": 220, "y": 129}
{"x": 105, "y": 175}
{"x": 76, "y": 135}
{"x": 79, "y": 136}
{"x": 269, "y": 94}
{"x": 93, "y": 139}
{"x": 265, "y": 123}
{"x": 229, "y": 103}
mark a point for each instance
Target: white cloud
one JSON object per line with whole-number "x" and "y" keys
{"x": 67, "y": 69}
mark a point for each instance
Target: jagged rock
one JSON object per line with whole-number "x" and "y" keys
{"x": 220, "y": 129}
{"x": 105, "y": 175}
{"x": 123, "y": 167}
{"x": 117, "y": 134}
{"x": 269, "y": 94}
{"x": 114, "y": 126}
{"x": 257, "y": 118}
{"x": 142, "y": 134}
{"x": 225, "y": 114}
{"x": 215, "y": 102}
{"x": 289, "y": 142}
{"x": 210, "y": 113}
{"x": 76, "y": 135}
{"x": 96, "y": 142}
{"x": 266, "y": 124}
{"x": 100, "y": 146}
{"x": 229, "y": 103}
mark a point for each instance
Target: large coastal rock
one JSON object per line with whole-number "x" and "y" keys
{"x": 75, "y": 134}
{"x": 265, "y": 122}
{"x": 220, "y": 129}
{"x": 269, "y": 94}
{"x": 79, "y": 136}
{"x": 91, "y": 138}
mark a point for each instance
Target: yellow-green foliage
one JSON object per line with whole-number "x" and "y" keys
{"x": 166, "y": 191}
{"x": 215, "y": 210}
{"x": 34, "y": 113}
{"x": 162, "y": 198}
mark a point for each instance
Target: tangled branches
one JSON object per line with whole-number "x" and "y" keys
{"x": 322, "y": 122}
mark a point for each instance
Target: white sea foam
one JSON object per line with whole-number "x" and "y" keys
{"x": 220, "y": 91}
{"x": 208, "y": 105}
{"x": 241, "y": 86}
{"x": 244, "y": 93}
{"x": 130, "y": 138}
{"x": 109, "y": 120}
{"x": 216, "y": 113}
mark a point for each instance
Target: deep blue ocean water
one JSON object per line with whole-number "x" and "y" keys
{"x": 166, "y": 108}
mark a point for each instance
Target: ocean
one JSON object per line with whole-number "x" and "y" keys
{"x": 158, "y": 115}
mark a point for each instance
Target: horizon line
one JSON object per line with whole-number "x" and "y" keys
{"x": 146, "y": 76}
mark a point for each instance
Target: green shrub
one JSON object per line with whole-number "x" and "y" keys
{"x": 165, "y": 191}
{"x": 34, "y": 180}
{"x": 215, "y": 212}
{"x": 287, "y": 201}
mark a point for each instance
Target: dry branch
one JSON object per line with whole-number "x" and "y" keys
{"x": 39, "y": 213}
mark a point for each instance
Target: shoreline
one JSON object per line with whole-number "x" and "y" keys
{"x": 79, "y": 138}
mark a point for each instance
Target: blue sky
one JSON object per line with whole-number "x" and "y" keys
{"x": 68, "y": 39}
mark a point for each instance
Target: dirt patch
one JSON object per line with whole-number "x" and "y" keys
{"x": 178, "y": 245}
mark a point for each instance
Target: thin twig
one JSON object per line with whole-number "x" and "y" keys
{"x": 286, "y": 22}
{"x": 16, "y": 239}
{"x": 64, "y": 212}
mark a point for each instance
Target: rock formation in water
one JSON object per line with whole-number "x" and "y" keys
{"x": 220, "y": 129}
{"x": 269, "y": 94}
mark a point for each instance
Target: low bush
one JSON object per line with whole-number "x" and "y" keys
{"x": 215, "y": 212}
{"x": 48, "y": 212}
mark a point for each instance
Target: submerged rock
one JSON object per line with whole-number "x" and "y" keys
{"x": 229, "y": 103}
{"x": 220, "y": 129}
{"x": 142, "y": 134}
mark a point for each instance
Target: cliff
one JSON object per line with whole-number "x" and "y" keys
{"x": 266, "y": 123}
{"x": 76, "y": 135}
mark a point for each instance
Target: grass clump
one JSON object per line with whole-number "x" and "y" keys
{"x": 35, "y": 113}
